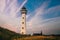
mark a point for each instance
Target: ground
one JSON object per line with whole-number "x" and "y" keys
{"x": 39, "y": 38}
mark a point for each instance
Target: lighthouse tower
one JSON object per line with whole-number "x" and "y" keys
{"x": 23, "y": 20}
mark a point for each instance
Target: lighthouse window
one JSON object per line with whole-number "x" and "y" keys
{"x": 22, "y": 22}
{"x": 23, "y": 17}
{"x": 22, "y": 27}
{"x": 23, "y": 12}
{"x": 22, "y": 32}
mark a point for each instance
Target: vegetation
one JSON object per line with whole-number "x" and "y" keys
{"x": 40, "y": 38}
{"x": 6, "y": 34}
{"x": 9, "y": 35}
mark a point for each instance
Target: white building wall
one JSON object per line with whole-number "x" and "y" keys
{"x": 23, "y": 25}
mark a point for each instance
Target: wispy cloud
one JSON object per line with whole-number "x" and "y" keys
{"x": 52, "y": 12}
{"x": 8, "y": 14}
{"x": 37, "y": 19}
{"x": 38, "y": 22}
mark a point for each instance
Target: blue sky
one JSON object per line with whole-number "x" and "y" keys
{"x": 43, "y": 12}
{"x": 41, "y": 15}
{"x": 31, "y": 5}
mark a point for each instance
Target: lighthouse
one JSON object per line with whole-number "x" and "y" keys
{"x": 23, "y": 20}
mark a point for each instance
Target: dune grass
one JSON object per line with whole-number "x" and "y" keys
{"x": 40, "y": 38}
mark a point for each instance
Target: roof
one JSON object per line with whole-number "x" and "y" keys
{"x": 23, "y": 7}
